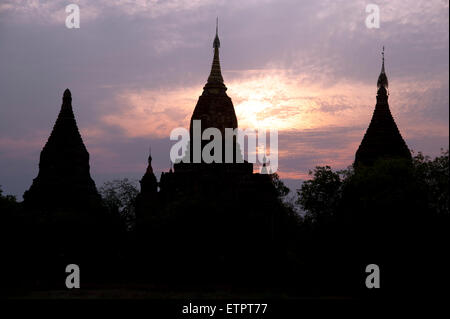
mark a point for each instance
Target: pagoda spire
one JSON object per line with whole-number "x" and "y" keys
{"x": 66, "y": 111}
{"x": 214, "y": 107}
{"x": 264, "y": 166}
{"x": 64, "y": 172}
{"x": 149, "y": 160}
{"x": 382, "y": 138}
{"x": 149, "y": 184}
{"x": 215, "y": 77}
{"x": 382, "y": 78}
{"x": 216, "y": 39}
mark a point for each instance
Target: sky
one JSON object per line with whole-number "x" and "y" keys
{"x": 136, "y": 69}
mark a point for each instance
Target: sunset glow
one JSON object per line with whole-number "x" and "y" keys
{"x": 136, "y": 74}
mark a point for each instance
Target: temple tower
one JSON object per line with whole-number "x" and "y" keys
{"x": 382, "y": 138}
{"x": 149, "y": 184}
{"x": 64, "y": 180}
{"x": 214, "y": 109}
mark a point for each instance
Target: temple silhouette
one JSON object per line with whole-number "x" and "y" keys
{"x": 64, "y": 180}
{"x": 220, "y": 208}
{"x": 382, "y": 139}
{"x": 218, "y": 222}
{"x": 65, "y": 215}
{"x": 214, "y": 109}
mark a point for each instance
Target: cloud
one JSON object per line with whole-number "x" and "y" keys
{"x": 52, "y": 11}
{"x": 263, "y": 99}
{"x": 136, "y": 69}
{"x": 151, "y": 112}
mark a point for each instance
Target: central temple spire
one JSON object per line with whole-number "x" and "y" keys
{"x": 216, "y": 43}
{"x": 215, "y": 78}
{"x": 214, "y": 107}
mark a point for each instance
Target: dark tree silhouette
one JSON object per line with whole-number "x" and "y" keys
{"x": 319, "y": 197}
{"x": 434, "y": 174}
{"x": 393, "y": 213}
{"x": 8, "y": 203}
{"x": 119, "y": 196}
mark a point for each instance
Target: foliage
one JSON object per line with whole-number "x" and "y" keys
{"x": 320, "y": 196}
{"x": 434, "y": 174}
{"x": 8, "y": 203}
{"x": 281, "y": 189}
{"x": 119, "y": 196}
{"x": 379, "y": 188}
